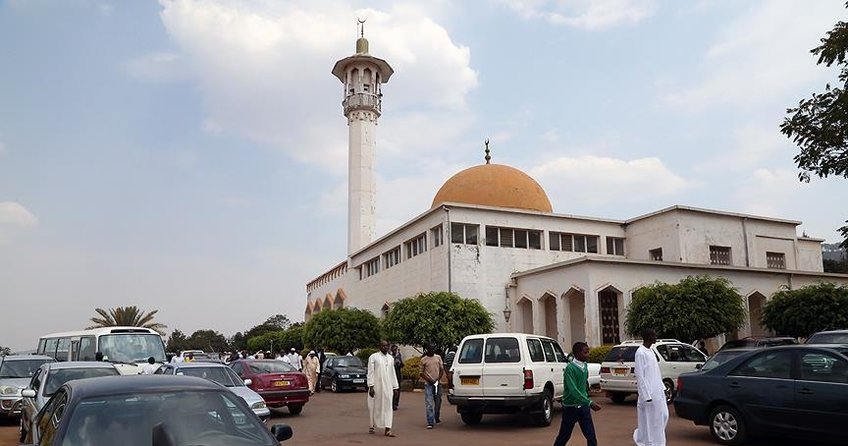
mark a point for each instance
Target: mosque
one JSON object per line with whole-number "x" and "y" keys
{"x": 492, "y": 235}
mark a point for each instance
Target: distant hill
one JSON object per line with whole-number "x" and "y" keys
{"x": 832, "y": 251}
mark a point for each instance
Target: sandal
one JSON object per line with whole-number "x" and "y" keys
{"x": 390, "y": 434}
{"x": 371, "y": 430}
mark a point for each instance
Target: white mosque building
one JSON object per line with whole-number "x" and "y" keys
{"x": 492, "y": 235}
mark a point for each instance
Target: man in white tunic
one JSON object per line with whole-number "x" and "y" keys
{"x": 651, "y": 409}
{"x": 382, "y": 386}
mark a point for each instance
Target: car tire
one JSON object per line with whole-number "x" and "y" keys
{"x": 669, "y": 390}
{"x": 727, "y": 426}
{"x": 617, "y": 397}
{"x": 334, "y": 386}
{"x": 471, "y": 418}
{"x": 295, "y": 409}
{"x": 546, "y": 406}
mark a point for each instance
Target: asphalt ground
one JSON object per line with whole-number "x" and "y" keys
{"x": 341, "y": 418}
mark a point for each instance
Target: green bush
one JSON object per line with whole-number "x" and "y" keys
{"x": 365, "y": 353}
{"x": 412, "y": 368}
{"x": 597, "y": 354}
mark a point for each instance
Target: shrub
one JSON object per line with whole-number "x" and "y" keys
{"x": 365, "y": 353}
{"x": 597, "y": 354}
{"x": 412, "y": 368}
{"x": 803, "y": 311}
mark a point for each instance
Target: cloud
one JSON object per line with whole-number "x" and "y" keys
{"x": 14, "y": 216}
{"x": 767, "y": 192}
{"x": 157, "y": 67}
{"x": 591, "y": 15}
{"x": 752, "y": 145}
{"x": 763, "y": 55}
{"x": 263, "y": 70}
{"x": 593, "y": 180}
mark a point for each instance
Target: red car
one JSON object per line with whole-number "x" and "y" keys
{"x": 277, "y": 382}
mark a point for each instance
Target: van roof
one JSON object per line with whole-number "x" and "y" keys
{"x": 502, "y": 335}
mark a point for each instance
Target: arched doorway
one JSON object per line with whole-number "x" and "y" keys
{"x": 611, "y": 304}
{"x": 338, "y": 302}
{"x": 756, "y": 302}
{"x": 549, "y": 309}
{"x": 328, "y": 304}
{"x": 525, "y": 313}
{"x": 575, "y": 306}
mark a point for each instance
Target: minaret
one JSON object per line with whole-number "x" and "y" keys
{"x": 362, "y": 76}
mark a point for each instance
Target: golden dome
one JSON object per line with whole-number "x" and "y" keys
{"x": 494, "y": 185}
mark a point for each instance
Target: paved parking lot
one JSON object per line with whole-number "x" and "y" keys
{"x": 334, "y": 419}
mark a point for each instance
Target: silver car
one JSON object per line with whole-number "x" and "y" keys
{"x": 15, "y": 373}
{"x": 49, "y": 378}
{"x": 224, "y": 376}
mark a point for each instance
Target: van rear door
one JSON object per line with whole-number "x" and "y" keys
{"x": 503, "y": 374}
{"x": 468, "y": 368}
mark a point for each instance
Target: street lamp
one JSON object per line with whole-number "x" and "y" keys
{"x": 507, "y": 313}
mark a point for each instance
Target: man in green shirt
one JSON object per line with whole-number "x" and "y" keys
{"x": 576, "y": 405}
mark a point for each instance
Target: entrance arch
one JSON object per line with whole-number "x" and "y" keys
{"x": 611, "y": 305}
{"x": 549, "y": 310}
{"x": 756, "y": 302}
{"x": 574, "y": 301}
{"x": 525, "y": 313}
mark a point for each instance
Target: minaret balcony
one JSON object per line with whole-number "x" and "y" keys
{"x": 361, "y": 101}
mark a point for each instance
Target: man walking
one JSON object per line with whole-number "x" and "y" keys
{"x": 576, "y": 405}
{"x": 294, "y": 359}
{"x": 310, "y": 368}
{"x": 398, "y": 367}
{"x": 321, "y": 358}
{"x": 382, "y": 385}
{"x": 651, "y": 408}
{"x": 432, "y": 370}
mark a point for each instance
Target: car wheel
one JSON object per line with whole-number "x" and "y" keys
{"x": 544, "y": 417}
{"x": 727, "y": 426}
{"x": 296, "y": 409}
{"x": 471, "y": 418}
{"x": 617, "y": 397}
{"x": 669, "y": 391}
{"x": 334, "y": 386}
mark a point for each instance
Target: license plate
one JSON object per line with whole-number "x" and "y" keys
{"x": 281, "y": 383}
{"x": 621, "y": 372}
{"x": 358, "y": 381}
{"x": 470, "y": 380}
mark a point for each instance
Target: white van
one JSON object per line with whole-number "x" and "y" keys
{"x": 507, "y": 373}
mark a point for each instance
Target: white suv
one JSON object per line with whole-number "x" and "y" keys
{"x": 507, "y": 373}
{"x": 618, "y": 376}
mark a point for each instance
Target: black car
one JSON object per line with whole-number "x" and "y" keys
{"x": 132, "y": 410}
{"x": 788, "y": 390}
{"x": 757, "y": 341}
{"x": 343, "y": 372}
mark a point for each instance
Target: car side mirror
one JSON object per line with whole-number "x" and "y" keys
{"x": 28, "y": 393}
{"x": 698, "y": 366}
{"x": 248, "y": 382}
{"x": 281, "y": 432}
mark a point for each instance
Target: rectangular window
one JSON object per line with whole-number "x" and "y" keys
{"x": 391, "y": 258}
{"x": 513, "y": 238}
{"x": 416, "y": 246}
{"x": 436, "y": 236}
{"x": 507, "y": 237}
{"x": 720, "y": 255}
{"x": 656, "y": 254}
{"x": 563, "y": 241}
{"x": 369, "y": 268}
{"x": 464, "y": 233}
{"x": 491, "y": 236}
{"x": 615, "y": 246}
{"x": 472, "y": 352}
{"x": 553, "y": 239}
{"x": 502, "y": 350}
{"x": 535, "y": 239}
{"x": 776, "y": 260}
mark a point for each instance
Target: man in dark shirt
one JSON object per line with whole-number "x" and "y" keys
{"x": 398, "y": 366}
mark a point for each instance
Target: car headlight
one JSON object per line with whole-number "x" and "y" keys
{"x": 10, "y": 390}
{"x": 344, "y": 376}
{"x": 258, "y": 405}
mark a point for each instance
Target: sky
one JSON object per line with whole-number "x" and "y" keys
{"x": 190, "y": 156}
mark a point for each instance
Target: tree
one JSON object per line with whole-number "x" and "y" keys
{"x": 276, "y": 322}
{"x": 804, "y": 311}
{"x": 238, "y": 342}
{"x": 342, "y": 330}
{"x": 438, "y": 318}
{"x": 280, "y": 321}
{"x": 177, "y": 342}
{"x": 5, "y": 351}
{"x": 279, "y": 340}
{"x": 130, "y": 316}
{"x": 697, "y": 307}
{"x": 819, "y": 125}
{"x": 207, "y": 340}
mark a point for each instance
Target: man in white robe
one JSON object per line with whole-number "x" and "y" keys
{"x": 382, "y": 386}
{"x": 651, "y": 408}
{"x": 294, "y": 359}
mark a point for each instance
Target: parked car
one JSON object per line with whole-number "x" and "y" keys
{"x": 829, "y": 337}
{"x": 725, "y": 355}
{"x": 144, "y": 410}
{"x": 789, "y": 390}
{"x": 618, "y": 371}
{"x": 224, "y": 376}
{"x": 277, "y": 382}
{"x": 507, "y": 373}
{"x": 343, "y": 372}
{"x": 759, "y": 341}
{"x": 15, "y": 373}
{"x": 47, "y": 380}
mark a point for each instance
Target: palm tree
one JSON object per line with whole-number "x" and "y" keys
{"x": 130, "y": 316}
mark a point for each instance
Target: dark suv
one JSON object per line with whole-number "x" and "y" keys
{"x": 757, "y": 341}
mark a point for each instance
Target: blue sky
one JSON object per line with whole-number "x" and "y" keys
{"x": 190, "y": 156}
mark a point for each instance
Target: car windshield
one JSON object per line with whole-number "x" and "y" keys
{"x": 20, "y": 368}
{"x": 348, "y": 361}
{"x": 191, "y": 417}
{"x": 622, "y": 354}
{"x": 132, "y": 347}
{"x": 56, "y": 378}
{"x": 828, "y": 338}
{"x": 216, "y": 374}
{"x": 270, "y": 367}
{"x": 720, "y": 358}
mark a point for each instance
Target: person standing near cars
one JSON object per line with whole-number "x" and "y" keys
{"x": 651, "y": 408}
{"x": 576, "y": 405}
{"x": 398, "y": 373}
{"x": 382, "y": 385}
{"x": 294, "y": 359}
{"x": 432, "y": 370}
{"x": 310, "y": 368}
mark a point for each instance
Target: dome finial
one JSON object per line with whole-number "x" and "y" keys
{"x": 361, "y": 42}
{"x": 361, "y": 27}
{"x": 487, "y": 157}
